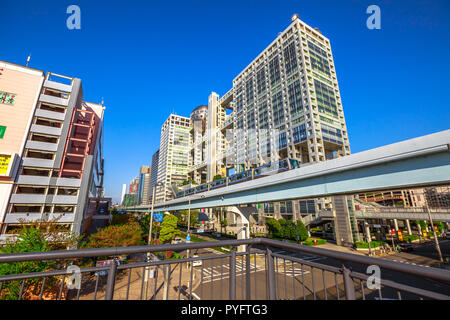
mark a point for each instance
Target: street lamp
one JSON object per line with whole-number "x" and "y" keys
{"x": 149, "y": 242}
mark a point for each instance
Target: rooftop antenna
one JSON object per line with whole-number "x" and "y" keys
{"x": 28, "y": 60}
{"x": 102, "y": 101}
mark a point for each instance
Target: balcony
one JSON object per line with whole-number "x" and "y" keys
{"x": 44, "y": 146}
{"x": 50, "y": 114}
{"x": 40, "y": 163}
{"x": 57, "y": 86}
{"x": 54, "y": 100}
{"x": 64, "y": 217}
{"x": 46, "y": 129}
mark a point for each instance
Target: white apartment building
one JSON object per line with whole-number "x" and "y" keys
{"x": 173, "y": 156}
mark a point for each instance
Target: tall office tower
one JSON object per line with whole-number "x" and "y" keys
{"x": 124, "y": 192}
{"x": 144, "y": 185}
{"x": 290, "y": 90}
{"x": 154, "y": 173}
{"x": 285, "y": 104}
{"x": 173, "y": 155}
{"x": 58, "y": 138}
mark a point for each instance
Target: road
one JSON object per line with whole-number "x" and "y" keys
{"x": 296, "y": 281}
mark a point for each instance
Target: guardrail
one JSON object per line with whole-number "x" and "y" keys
{"x": 261, "y": 271}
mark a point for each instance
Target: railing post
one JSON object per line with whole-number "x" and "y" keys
{"x": 349, "y": 285}
{"x": 233, "y": 274}
{"x": 270, "y": 274}
{"x": 166, "y": 282}
{"x": 111, "y": 280}
{"x": 247, "y": 274}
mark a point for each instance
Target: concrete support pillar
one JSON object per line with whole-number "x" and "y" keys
{"x": 396, "y": 225}
{"x": 408, "y": 225}
{"x": 343, "y": 229}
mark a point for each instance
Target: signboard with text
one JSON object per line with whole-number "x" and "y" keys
{"x": 5, "y": 161}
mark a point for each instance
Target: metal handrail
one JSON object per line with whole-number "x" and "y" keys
{"x": 344, "y": 258}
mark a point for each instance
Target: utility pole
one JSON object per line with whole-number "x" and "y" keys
{"x": 149, "y": 242}
{"x": 438, "y": 248}
{"x": 189, "y": 226}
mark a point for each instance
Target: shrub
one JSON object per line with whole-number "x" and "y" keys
{"x": 30, "y": 239}
{"x": 129, "y": 234}
{"x": 274, "y": 227}
{"x": 302, "y": 231}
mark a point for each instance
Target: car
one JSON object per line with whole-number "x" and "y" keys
{"x": 447, "y": 235}
{"x": 177, "y": 240}
{"x": 406, "y": 247}
{"x": 196, "y": 263}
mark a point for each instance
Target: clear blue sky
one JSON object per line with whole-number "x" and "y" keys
{"x": 149, "y": 58}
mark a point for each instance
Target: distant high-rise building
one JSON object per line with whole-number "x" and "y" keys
{"x": 124, "y": 191}
{"x": 134, "y": 186}
{"x": 173, "y": 155}
{"x": 154, "y": 173}
{"x": 144, "y": 185}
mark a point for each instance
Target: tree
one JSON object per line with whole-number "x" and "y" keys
{"x": 302, "y": 231}
{"x": 30, "y": 239}
{"x": 224, "y": 223}
{"x": 183, "y": 217}
{"x": 217, "y": 177}
{"x": 129, "y": 234}
{"x": 274, "y": 227}
{"x": 169, "y": 229}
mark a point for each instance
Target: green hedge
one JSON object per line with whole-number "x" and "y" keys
{"x": 310, "y": 241}
{"x": 411, "y": 237}
{"x": 373, "y": 244}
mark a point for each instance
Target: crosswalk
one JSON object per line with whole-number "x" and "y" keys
{"x": 412, "y": 263}
{"x": 221, "y": 272}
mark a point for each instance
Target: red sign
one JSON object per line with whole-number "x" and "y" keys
{"x": 393, "y": 231}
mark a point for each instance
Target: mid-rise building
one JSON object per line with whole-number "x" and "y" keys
{"x": 54, "y": 141}
{"x": 173, "y": 156}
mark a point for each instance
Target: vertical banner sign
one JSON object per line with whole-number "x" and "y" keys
{"x": 400, "y": 235}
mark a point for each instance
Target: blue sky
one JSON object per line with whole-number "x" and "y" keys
{"x": 149, "y": 58}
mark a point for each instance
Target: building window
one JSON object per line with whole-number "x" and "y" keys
{"x": 300, "y": 133}
{"x": 263, "y": 116}
{"x": 277, "y": 107}
{"x": 282, "y": 140}
{"x": 326, "y": 100}
{"x": 331, "y": 134}
{"x": 249, "y": 90}
{"x": 290, "y": 58}
{"x": 274, "y": 71}
{"x": 319, "y": 59}
{"x": 295, "y": 98}
{"x": 261, "y": 81}
{"x": 307, "y": 206}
